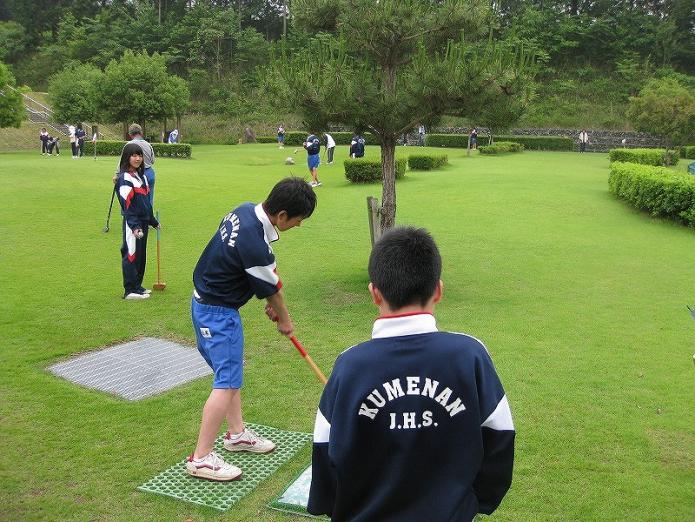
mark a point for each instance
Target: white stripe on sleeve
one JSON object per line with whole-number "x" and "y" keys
{"x": 264, "y": 273}
{"x": 322, "y": 429}
{"x": 501, "y": 418}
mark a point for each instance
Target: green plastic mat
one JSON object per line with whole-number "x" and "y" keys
{"x": 176, "y": 482}
{"x": 295, "y": 497}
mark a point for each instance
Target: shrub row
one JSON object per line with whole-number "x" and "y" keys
{"x": 654, "y": 157}
{"x": 161, "y": 150}
{"x": 658, "y": 190}
{"x": 369, "y": 171}
{"x": 266, "y": 139}
{"x": 500, "y": 147}
{"x": 427, "y": 161}
{"x": 688, "y": 152}
{"x": 341, "y": 138}
{"x": 529, "y": 142}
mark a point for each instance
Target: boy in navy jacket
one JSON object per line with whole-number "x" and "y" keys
{"x": 414, "y": 424}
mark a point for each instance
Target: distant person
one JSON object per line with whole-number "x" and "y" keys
{"x": 330, "y": 147}
{"x": 421, "y": 135}
{"x": 474, "y": 138}
{"x": 133, "y": 195}
{"x": 313, "y": 149}
{"x": 413, "y": 425}
{"x": 357, "y": 145}
{"x": 583, "y": 140}
{"x": 44, "y": 137}
{"x": 135, "y": 132}
{"x": 237, "y": 264}
{"x": 623, "y": 143}
{"x": 73, "y": 141}
{"x": 281, "y": 137}
{"x": 53, "y": 143}
{"x": 174, "y": 136}
{"x": 79, "y": 136}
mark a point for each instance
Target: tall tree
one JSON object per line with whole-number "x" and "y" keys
{"x": 138, "y": 88}
{"x": 666, "y": 108}
{"x": 11, "y": 104}
{"x": 390, "y": 65}
{"x": 72, "y": 93}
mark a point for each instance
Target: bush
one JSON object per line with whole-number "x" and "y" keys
{"x": 447, "y": 140}
{"x": 369, "y": 171}
{"x": 688, "y": 152}
{"x": 500, "y": 147}
{"x": 654, "y": 157}
{"x": 529, "y": 142}
{"x": 161, "y": 150}
{"x": 538, "y": 142}
{"x": 266, "y": 139}
{"x": 341, "y": 138}
{"x": 427, "y": 161}
{"x": 658, "y": 190}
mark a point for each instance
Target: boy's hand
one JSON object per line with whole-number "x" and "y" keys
{"x": 286, "y": 327}
{"x": 271, "y": 313}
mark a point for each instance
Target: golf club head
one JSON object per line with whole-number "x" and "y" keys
{"x": 105, "y": 230}
{"x": 692, "y": 310}
{"x": 159, "y": 286}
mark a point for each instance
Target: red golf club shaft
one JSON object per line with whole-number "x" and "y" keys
{"x": 308, "y": 359}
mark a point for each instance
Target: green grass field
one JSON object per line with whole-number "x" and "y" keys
{"x": 580, "y": 299}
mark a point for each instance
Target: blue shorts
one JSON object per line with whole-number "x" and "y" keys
{"x": 313, "y": 161}
{"x": 220, "y": 342}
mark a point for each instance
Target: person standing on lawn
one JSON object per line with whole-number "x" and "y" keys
{"x": 237, "y": 264}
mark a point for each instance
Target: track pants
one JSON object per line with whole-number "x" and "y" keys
{"x": 330, "y": 150}
{"x": 134, "y": 259}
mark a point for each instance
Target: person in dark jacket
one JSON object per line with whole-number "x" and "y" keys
{"x": 413, "y": 424}
{"x": 134, "y": 197}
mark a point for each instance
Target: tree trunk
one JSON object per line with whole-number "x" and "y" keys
{"x": 388, "y": 180}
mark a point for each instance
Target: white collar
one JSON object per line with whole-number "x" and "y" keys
{"x": 404, "y": 324}
{"x": 268, "y": 229}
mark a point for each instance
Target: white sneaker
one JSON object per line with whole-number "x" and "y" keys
{"x": 133, "y": 296}
{"x": 318, "y": 184}
{"x": 313, "y": 184}
{"x": 212, "y": 467}
{"x": 248, "y": 440}
{"x": 144, "y": 290}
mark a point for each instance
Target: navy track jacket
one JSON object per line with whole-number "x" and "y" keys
{"x": 238, "y": 262}
{"x": 413, "y": 425}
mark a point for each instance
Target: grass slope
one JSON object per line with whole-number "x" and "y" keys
{"x": 580, "y": 299}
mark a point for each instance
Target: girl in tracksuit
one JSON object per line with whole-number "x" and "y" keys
{"x": 133, "y": 196}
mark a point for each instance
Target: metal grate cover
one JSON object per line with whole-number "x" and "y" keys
{"x": 176, "y": 482}
{"x": 136, "y": 369}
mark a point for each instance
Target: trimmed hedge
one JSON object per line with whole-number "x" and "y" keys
{"x": 161, "y": 150}
{"x": 654, "y": 157}
{"x": 369, "y": 171}
{"x": 341, "y": 138}
{"x": 500, "y": 147}
{"x": 660, "y": 191}
{"x": 266, "y": 139}
{"x": 427, "y": 161}
{"x": 529, "y": 142}
{"x": 447, "y": 140}
{"x": 688, "y": 152}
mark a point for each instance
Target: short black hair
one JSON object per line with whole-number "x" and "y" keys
{"x": 128, "y": 151}
{"x": 293, "y": 195}
{"x": 405, "y": 266}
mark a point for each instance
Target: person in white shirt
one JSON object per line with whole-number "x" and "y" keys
{"x": 583, "y": 140}
{"x": 330, "y": 147}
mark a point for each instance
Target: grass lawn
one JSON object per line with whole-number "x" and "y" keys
{"x": 580, "y": 299}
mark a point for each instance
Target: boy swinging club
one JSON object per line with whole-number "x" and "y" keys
{"x": 237, "y": 264}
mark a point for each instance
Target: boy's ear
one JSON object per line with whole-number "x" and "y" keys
{"x": 377, "y": 298}
{"x": 438, "y": 292}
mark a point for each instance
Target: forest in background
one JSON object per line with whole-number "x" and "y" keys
{"x": 593, "y": 55}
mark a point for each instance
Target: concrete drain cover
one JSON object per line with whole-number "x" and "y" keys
{"x": 136, "y": 369}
